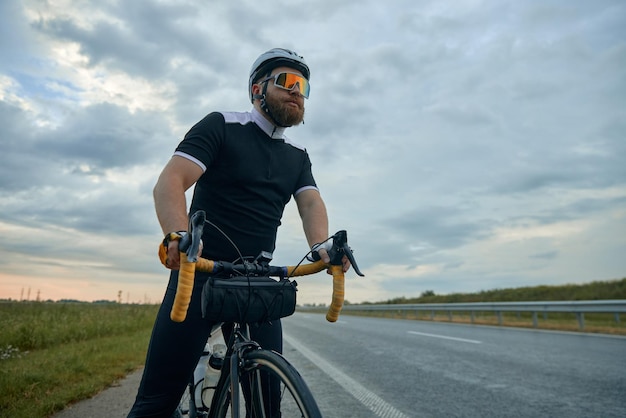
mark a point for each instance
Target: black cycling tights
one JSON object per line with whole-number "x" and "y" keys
{"x": 175, "y": 348}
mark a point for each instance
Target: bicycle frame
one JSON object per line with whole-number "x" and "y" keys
{"x": 236, "y": 347}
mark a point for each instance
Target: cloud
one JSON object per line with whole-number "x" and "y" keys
{"x": 463, "y": 148}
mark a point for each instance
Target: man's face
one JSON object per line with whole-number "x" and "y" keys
{"x": 286, "y": 106}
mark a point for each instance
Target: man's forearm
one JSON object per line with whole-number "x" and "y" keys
{"x": 170, "y": 204}
{"x": 315, "y": 222}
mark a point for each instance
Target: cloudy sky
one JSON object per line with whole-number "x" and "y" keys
{"x": 465, "y": 145}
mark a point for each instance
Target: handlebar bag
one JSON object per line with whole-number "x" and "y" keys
{"x": 248, "y": 299}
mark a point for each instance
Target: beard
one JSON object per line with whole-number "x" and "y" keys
{"x": 282, "y": 113}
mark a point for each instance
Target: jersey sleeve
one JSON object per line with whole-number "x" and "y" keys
{"x": 204, "y": 139}
{"x": 306, "y": 180}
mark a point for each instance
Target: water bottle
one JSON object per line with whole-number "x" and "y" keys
{"x": 213, "y": 370}
{"x": 198, "y": 375}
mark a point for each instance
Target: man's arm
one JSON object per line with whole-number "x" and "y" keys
{"x": 313, "y": 214}
{"x": 315, "y": 221}
{"x": 170, "y": 202}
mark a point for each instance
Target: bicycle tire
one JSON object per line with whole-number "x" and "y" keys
{"x": 295, "y": 398}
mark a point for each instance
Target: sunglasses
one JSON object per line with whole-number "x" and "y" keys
{"x": 288, "y": 81}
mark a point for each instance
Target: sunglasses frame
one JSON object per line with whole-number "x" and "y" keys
{"x": 275, "y": 77}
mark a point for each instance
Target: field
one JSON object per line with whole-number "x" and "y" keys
{"x": 54, "y": 354}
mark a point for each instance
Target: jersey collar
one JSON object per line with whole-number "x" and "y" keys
{"x": 274, "y": 132}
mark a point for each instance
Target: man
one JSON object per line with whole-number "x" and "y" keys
{"x": 245, "y": 170}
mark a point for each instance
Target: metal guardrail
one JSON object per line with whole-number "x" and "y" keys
{"x": 579, "y": 308}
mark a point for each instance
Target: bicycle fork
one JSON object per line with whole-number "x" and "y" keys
{"x": 234, "y": 383}
{"x": 241, "y": 346}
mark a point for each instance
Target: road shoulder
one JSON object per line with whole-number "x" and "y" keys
{"x": 113, "y": 402}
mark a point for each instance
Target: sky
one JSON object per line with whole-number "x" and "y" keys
{"x": 464, "y": 145}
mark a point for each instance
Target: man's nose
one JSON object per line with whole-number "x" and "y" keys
{"x": 293, "y": 89}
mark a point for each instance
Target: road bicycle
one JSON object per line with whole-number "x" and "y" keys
{"x": 263, "y": 380}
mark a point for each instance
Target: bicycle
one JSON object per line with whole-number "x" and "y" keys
{"x": 270, "y": 385}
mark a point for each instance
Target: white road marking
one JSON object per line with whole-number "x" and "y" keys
{"x": 372, "y": 401}
{"x": 445, "y": 337}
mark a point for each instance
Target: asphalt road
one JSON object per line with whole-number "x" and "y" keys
{"x": 403, "y": 368}
{"x": 370, "y": 367}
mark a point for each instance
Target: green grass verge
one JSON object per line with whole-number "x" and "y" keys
{"x": 604, "y": 323}
{"x": 45, "y": 381}
{"x": 594, "y": 322}
{"x": 67, "y": 353}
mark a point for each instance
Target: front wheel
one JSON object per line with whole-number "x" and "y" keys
{"x": 272, "y": 388}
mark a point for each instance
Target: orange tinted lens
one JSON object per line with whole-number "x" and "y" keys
{"x": 288, "y": 81}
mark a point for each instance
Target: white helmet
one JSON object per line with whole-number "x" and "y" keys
{"x": 276, "y": 57}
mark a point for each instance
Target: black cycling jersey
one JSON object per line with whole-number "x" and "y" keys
{"x": 251, "y": 170}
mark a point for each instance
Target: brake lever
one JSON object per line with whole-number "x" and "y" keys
{"x": 190, "y": 243}
{"x": 341, "y": 248}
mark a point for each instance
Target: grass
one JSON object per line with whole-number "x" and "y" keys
{"x": 594, "y": 323}
{"x": 596, "y": 290}
{"x": 55, "y": 354}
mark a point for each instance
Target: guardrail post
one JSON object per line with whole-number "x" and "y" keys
{"x": 499, "y": 314}
{"x": 432, "y": 315}
{"x": 535, "y": 324}
{"x": 581, "y": 320}
{"x": 617, "y": 317}
{"x": 472, "y": 316}
{"x": 450, "y": 316}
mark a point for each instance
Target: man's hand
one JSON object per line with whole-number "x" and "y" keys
{"x": 170, "y": 256}
{"x": 322, "y": 251}
{"x": 173, "y": 255}
{"x": 169, "y": 250}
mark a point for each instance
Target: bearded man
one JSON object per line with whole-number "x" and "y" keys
{"x": 245, "y": 170}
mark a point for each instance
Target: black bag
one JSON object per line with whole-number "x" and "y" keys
{"x": 248, "y": 299}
